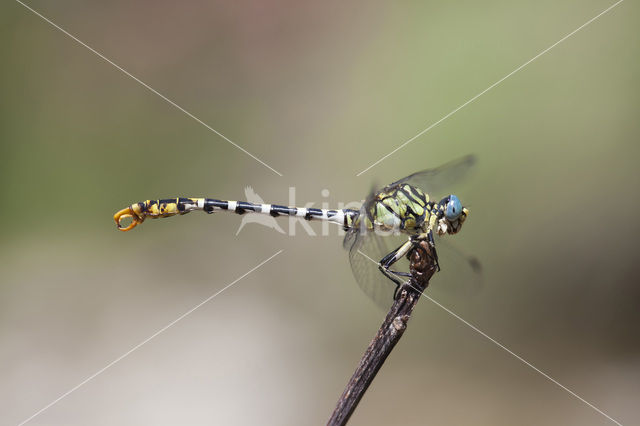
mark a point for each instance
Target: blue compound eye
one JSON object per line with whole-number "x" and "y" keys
{"x": 453, "y": 209}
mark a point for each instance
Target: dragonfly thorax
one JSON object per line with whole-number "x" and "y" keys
{"x": 399, "y": 208}
{"x": 403, "y": 208}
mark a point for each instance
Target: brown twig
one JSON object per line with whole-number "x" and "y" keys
{"x": 422, "y": 269}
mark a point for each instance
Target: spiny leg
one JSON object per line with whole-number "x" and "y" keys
{"x": 432, "y": 243}
{"x": 385, "y": 264}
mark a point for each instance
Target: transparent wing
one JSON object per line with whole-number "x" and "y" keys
{"x": 436, "y": 181}
{"x": 460, "y": 273}
{"x": 366, "y": 248}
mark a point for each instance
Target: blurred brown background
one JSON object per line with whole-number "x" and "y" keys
{"x": 319, "y": 91}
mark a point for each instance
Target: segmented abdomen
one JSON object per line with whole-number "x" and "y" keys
{"x": 167, "y": 207}
{"x": 138, "y": 212}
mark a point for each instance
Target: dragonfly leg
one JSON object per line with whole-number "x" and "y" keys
{"x": 385, "y": 264}
{"x": 432, "y": 243}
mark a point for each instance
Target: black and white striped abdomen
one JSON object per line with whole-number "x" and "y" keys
{"x": 275, "y": 210}
{"x": 138, "y": 212}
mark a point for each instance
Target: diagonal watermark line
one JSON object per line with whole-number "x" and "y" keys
{"x": 163, "y": 329}
{"x": 151, "y": 89}
{"x": 492, "y": 86}
{"x": 500, "y": 345}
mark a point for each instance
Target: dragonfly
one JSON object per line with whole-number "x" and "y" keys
{"x": 402, "y": 209}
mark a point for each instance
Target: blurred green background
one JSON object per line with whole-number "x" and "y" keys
{"x": 318, "y": 91}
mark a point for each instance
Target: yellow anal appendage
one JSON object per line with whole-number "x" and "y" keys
{"x": 126, "y": 213}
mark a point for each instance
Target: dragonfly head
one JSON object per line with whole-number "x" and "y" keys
{"x": 452, "y": 215}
